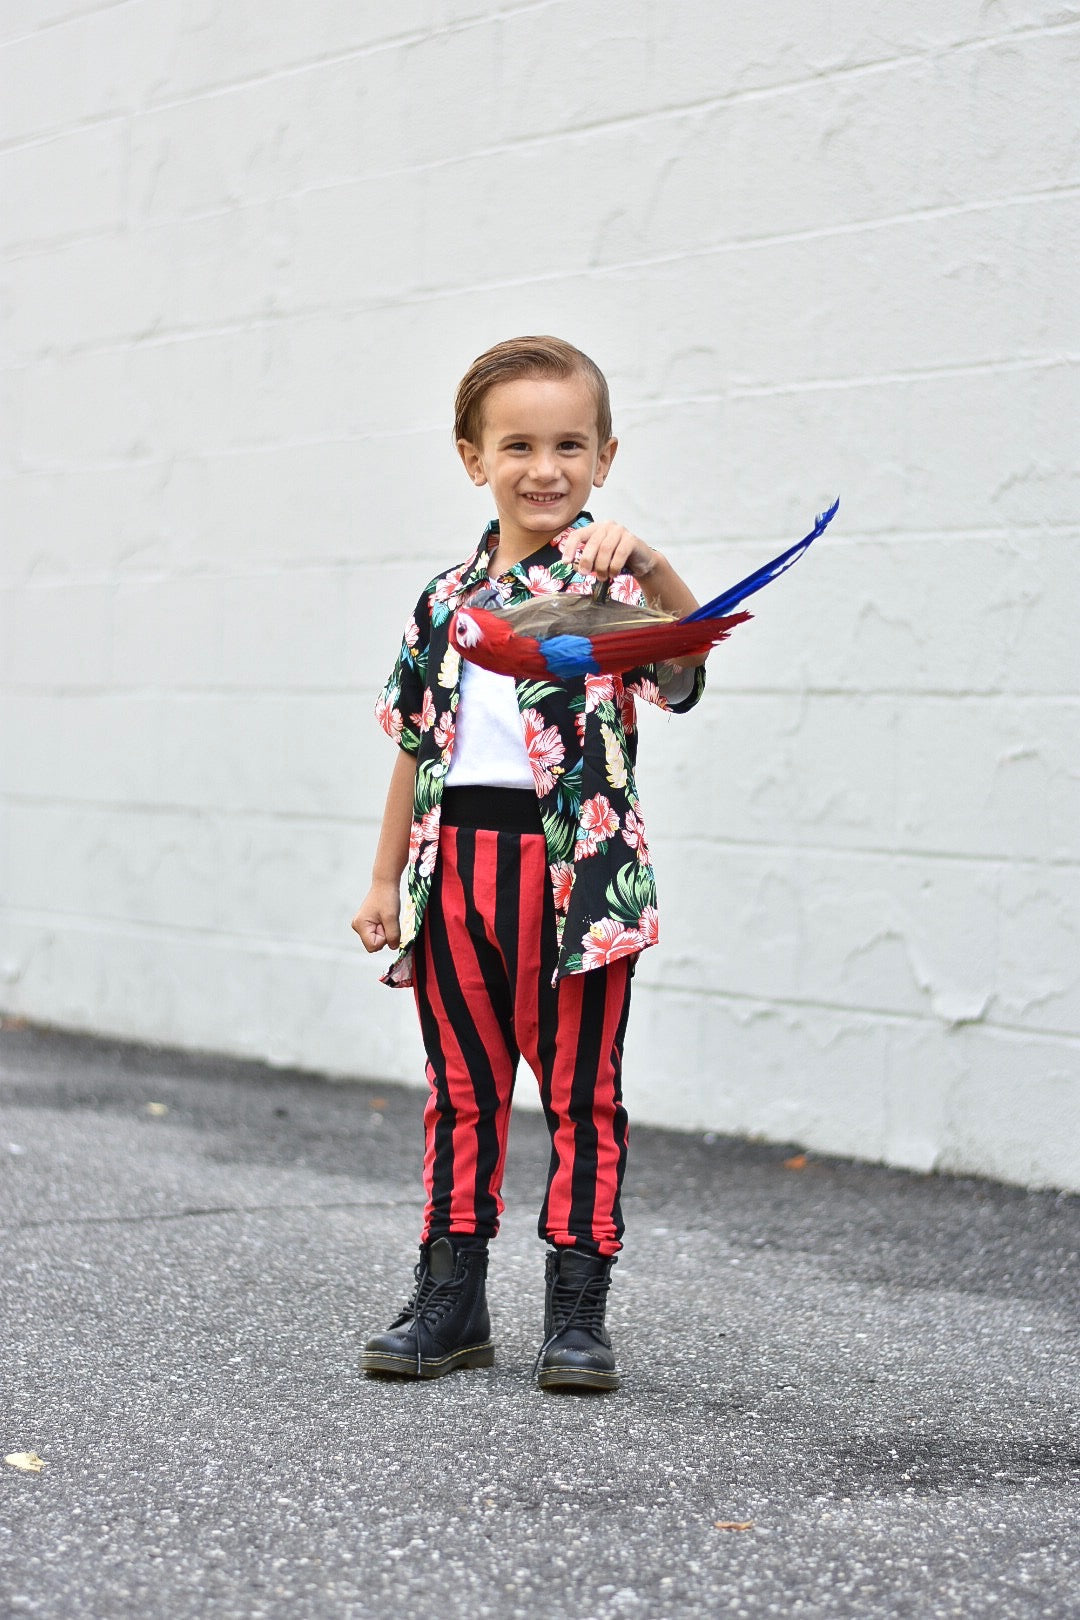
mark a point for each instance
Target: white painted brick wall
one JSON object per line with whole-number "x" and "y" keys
{"x": 246, "y": 251}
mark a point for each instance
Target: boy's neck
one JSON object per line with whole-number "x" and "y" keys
{"x": 513, "y": 545}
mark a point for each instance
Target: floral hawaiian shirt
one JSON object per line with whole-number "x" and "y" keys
{"x": 581, "y": 740}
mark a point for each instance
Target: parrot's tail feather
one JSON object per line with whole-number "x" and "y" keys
{"x": 621, "y": 650}
{"x": 765, "y": 574}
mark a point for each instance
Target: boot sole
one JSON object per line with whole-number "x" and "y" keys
{"x": 576, "y": 1378}
{"x": 474, "y": 1355}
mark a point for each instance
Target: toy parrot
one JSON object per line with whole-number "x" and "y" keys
{"x": 567, "y": 636}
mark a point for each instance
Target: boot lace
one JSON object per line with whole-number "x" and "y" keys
{"x": 431, "y": 1299}
{"x": 574, "y": 1305}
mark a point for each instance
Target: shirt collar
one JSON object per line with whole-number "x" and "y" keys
{"x": 477, "y": 569}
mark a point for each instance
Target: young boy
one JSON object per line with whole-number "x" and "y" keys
{"x": 530, "y": 889}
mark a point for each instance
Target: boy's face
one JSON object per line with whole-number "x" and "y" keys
{"x": 540, "y": 453}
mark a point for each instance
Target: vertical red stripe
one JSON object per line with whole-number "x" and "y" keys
{"x": 608, "y": 1146}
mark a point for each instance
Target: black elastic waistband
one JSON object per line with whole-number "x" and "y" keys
{"x": 504, "y": 809}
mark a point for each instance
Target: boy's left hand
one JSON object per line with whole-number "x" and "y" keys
{"x": 607, "y": 549}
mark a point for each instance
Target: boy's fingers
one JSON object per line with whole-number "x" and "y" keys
{"x": 373, "y": 933}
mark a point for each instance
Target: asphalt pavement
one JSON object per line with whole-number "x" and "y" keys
{"x": 847, "y": 1390}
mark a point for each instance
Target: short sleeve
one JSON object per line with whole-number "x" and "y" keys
{"x": 675, "y": 690}
{"x": 399, "y": 704}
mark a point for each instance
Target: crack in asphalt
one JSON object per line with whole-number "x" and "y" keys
{"x": 199, "y": 1212}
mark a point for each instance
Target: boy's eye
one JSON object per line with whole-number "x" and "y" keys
{"x": 571, "y": 444}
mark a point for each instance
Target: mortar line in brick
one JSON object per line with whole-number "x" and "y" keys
{"x": 201, "y": 813}
{"x": 273, "y": 946}
{"x": 872, "y": 853}
{"x": 63, "y": 132}
{"x": 161, "y": 337}
{"x": 917, "y": 215}
{"x": 265, "y": 568}
{"x": 615, "y": 125}
{"x": 271, "y": 567}
{"x": 117, "y": 927}
{"x": 236, "y": 86}
{"x": 732, "y": 395}
{"x": 310, "y": 820}
{"x": 872, "y": 1015}
{"x": 62, "y": 22}
{"x": 701, "y": 105}
{"x": 210, "y": 691}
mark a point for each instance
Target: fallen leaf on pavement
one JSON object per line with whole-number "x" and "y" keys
{"x": 157, "y": 1110}
{"x": 796, "y": 1162}
{"x": 28, "y": 1461}
{"x": 733, "y": 1524}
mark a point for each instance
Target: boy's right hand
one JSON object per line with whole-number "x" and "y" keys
{"x": 378, "y": 920}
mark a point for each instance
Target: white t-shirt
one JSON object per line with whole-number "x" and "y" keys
{"x": 489, "y": 744}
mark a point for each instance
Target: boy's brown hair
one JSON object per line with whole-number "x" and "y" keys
{"x": 525, "y": 357}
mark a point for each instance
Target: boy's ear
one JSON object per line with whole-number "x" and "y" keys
{"x": 474, "y": 464}
{"x": 603, "y": 462}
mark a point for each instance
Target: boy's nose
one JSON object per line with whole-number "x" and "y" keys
{"x": 544, "y": 467}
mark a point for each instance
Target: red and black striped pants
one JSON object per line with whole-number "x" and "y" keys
{"x": 483, "y": 966}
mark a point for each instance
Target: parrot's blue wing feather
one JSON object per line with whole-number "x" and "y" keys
{"x": 764, "y": 575}
{"x": 567, "y": 656}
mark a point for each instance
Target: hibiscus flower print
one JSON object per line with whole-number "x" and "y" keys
{"x": 606, "y": 940}
{"x": 597, "y": 823}
{"x": 649, "y": 692}
{"x": 625, "y": 588}
{"x": 544, "y": 747}
{"x": 562, "y": 881}
{"x": 449, "y": 585}
{"x": 429, "y": 835}
{"x": 412, "y": 633}
{"x": 633, "y": 832}
{"x": 649, "y": 926}
{"x": 542, "y": 582}
{"x": 389, "y": 715}
{"x": 598, "y": 689}
{"x": 426, "y": 718}
{"x": 444, "y": 735}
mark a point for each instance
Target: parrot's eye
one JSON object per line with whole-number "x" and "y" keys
{"x": 466, "y": 630}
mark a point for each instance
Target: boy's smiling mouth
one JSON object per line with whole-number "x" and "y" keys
{"x": 544, "y": 500}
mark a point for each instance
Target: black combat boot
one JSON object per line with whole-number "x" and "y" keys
{"x": 445, "y": 1325}
{"x": 576, "y": 1353}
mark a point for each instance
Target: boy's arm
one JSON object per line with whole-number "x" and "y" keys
{"x": 377, "y": 921}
